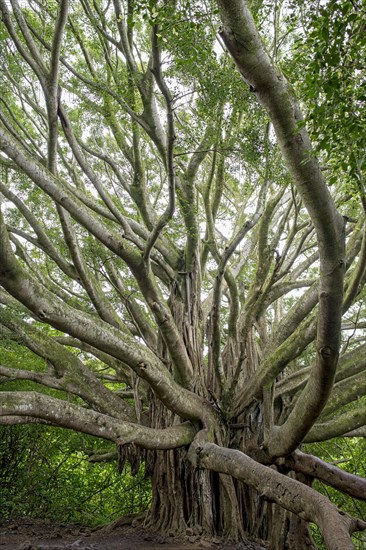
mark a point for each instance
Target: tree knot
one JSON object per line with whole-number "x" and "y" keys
{"x": 326, "y": 352}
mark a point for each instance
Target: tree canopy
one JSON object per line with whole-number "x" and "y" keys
{"x": 183, "y": 245}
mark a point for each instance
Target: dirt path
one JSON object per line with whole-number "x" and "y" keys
{"x": 37, "y": 535}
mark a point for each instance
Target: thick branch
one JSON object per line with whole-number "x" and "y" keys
{"x": 68, "y": 372}
{"x": 64, "y": 197}
{"x": 313, "y": 466}
{"x": 277, "y": 97}
{"x": 169, "y": 211}
{"x": 32, "y": 57}
{"x": 52, "y": 90}
{"x": 339, "y": 425}
{"x": 344, "y": 392}
{"x": 43, "y": 240}
{"x": 68, "y": 415}
{"x": 97, "y": 333}
{"x": 293, "y": 496}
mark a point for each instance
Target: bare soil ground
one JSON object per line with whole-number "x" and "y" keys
{"x": 30, "y": 534}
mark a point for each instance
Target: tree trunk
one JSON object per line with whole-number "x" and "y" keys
{"x": 182, "y": 496}
{"x": 199, "y": 502}
{"x": 299, "y": 536}
{"x": 195, "y": 501}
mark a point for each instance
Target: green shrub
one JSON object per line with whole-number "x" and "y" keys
{"x": 45, "y": 474}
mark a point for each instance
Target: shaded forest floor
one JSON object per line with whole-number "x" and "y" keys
{"x": 30, "y": 534}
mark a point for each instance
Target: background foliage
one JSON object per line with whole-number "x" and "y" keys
{"x": 350, "y": 455}
{"x": 45, "y": 473}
